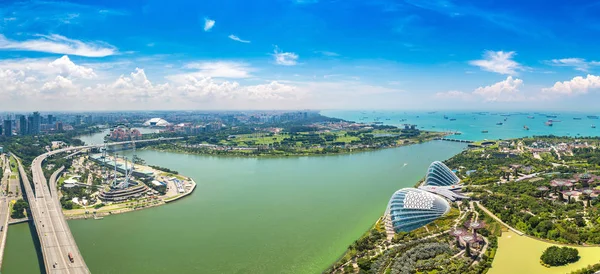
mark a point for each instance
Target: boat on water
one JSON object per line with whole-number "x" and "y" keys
{"x": 484, "y": 131}
{"x": 445, "y": 117}
{"x": 551, "y": 116}
{"x": 530, "y": 117}
{"x": 593, "y": 126}
{"x": 549, "y": 123}
{"x": 576, "y": 118}
{"x": 457, "y": 133}
{"x": 593, "y": 117}
{"x": 453, "y": 119}
{"x": 505, "y": 119}
{"x": 499, "y": 123}
{"x": 526, "y": 127}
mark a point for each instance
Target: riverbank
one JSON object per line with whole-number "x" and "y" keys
{"x": 258, "y": 152}
{"x": 121, "y": 208}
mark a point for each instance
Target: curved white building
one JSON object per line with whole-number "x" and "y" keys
{"x": 439, "y": 174}
{"x": 156, "y": 122}
{"x": 411, "y": 208}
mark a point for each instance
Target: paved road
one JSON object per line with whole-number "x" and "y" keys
{"x": 53, "y": 186}
{"x": 55, "y": 237}
{"x": 4, "y": 207}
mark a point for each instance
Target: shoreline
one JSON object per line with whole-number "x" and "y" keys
{"x": 127, "y": 210}
{"x": 246, "y": 156}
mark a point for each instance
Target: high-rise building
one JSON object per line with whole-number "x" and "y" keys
{"x": 7, "y": 128}
{"x": 59, "y": 126}
{"x": 29, "y": 125}
{"x": 77, "y": 120}
{"x": 50, "y": 119}
{"x": 22, "y": 125}
{"x": 36, "y": 123}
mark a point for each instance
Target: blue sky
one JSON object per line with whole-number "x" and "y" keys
{"x": 299, "y": 54}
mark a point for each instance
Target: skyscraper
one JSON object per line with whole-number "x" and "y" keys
{"x": 7, "y": 128}
{"x": 29, "y": 125}
{"x": 23, "y": 125}
{"x": 35, "y": 129}
{"x": 50, "y": 119}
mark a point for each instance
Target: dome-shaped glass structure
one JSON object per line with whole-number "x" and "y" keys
{"x": 439, "y": 174}
{"x": 156, "y": 122}
{"x": 411, "y": 208}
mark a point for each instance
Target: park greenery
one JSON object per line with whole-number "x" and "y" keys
{"x": 18, "y": 209}
{"x": 512, "y": 179}
{"x": 297, "y": 140}
{"x": 553, "y": 214}
{"x": 164, "y": 169}
{"x": 415, "y": 252}
{"x": 556, "y": 256}
{"x": 590, "y": 269}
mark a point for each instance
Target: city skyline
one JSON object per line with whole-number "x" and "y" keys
{"x": 297, "y": 55}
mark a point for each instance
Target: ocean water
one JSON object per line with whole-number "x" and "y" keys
{"x": 471, "y": 124}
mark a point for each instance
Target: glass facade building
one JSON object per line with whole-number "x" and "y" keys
{"x": 439, "y": 174}
{"x": 411, "y": 208}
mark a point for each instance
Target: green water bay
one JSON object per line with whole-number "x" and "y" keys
{"x": 247, "y": 215}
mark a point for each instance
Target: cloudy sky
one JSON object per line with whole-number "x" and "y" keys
{"x": 299, "y": 54}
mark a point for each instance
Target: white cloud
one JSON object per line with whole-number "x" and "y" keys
{"x": 58, "y": 44}
{"x": 68, "y": 68}
{"x": 235, "y": 38}
{"x": 503, "y": 91}
{"x": 206, "y": 88}
{"x": 285, "y": 58}
{"x": 575, "y": 86}
{"x": 579, "y": 64}
{"x": 498, "y": 62}
{"x": 58, "y": 83}
{"x": 208, "y": 24}
{"x": 44, "y": 84}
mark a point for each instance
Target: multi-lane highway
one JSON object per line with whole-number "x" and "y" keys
{"x": 4, "y": 205}
{"x": 59, "y": 249}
